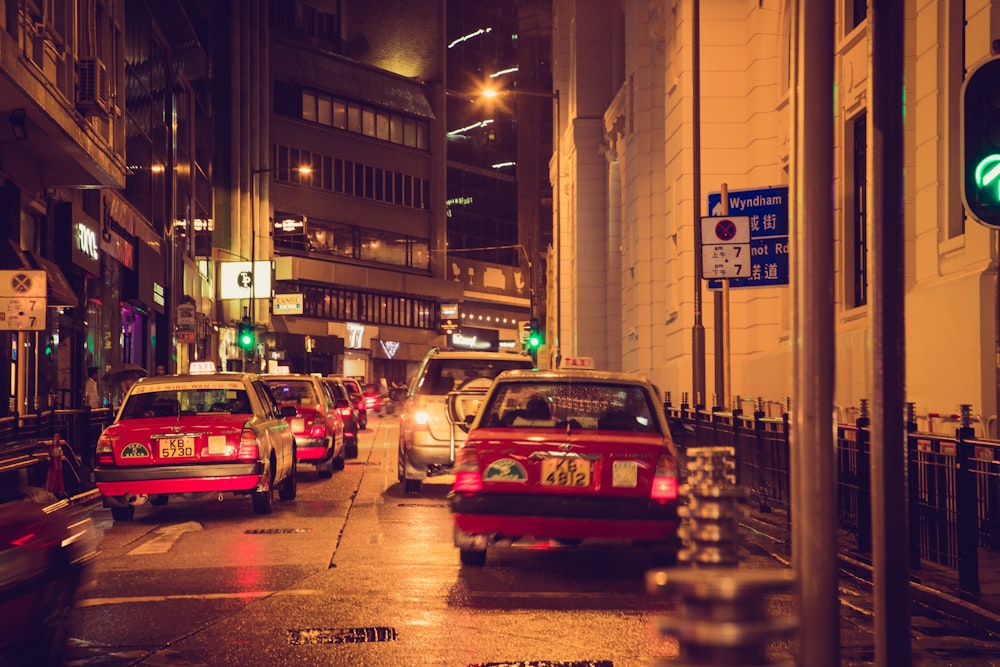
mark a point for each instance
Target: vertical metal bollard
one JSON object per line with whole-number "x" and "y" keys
{"x": 723, "y": 616}
{"x": 710, "y": 534}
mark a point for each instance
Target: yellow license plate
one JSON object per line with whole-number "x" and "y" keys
{"x": 176, "y": 448}
{"x": 565, "y": 471}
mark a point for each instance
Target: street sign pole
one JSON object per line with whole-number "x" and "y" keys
{"x": 726, "y": 377}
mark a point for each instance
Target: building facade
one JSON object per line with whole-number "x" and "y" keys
{"x": 626, "y": 213}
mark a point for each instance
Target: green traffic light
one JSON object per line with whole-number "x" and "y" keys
{"x": 987, "y": 174}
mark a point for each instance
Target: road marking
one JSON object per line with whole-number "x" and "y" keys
{"x": 242, "y": 595}
{"x": 165, "y": 536}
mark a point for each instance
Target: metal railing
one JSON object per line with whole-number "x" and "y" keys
{"x": 954, "y": 480}
{"x": 26, "y": 441}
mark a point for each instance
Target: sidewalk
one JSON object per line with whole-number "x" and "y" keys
{"x": 931, "y": 585}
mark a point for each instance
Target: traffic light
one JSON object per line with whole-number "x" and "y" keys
{"x": 246, "y": 337}
{"x": 535, "y": 337}
{"x": 980, "y": 115}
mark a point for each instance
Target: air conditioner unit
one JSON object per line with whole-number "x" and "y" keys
{"x": 92, "y": 86}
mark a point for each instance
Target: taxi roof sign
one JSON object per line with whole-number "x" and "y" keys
{"x": 201, "y": 367}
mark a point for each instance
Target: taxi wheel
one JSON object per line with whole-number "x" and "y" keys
{"x": 263, "y": 500}
{"x": 337, "y": 462}
{"x": 351, "y": 450}
{"x": 472, "y": 557}
{"x": 325, "y": 469}
{"x": 123, "y": 513}
{"x": 412, "y": 486}
{"x": 289, "y": 486}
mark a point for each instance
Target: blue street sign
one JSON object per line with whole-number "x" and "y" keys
{"x": 767, "y": 209}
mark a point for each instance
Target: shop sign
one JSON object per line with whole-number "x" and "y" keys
{"x": 390, "y": 347}
{"x": 355, "y": 335}
{"x": 243, "y": 280}
{"x": 448, "y": 319}
{"x": 159, "y": 295}
{"x": 185, "y": 336}
{"x": 185, "y": 314}
{"x": 287, "y": 304}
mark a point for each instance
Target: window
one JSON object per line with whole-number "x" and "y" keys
{"x": 382, "y": 125}
{"x": 308, "y": 106}
{"x": 856, "y": 240}
{"x": 340, "y": 114}
{"x": 325, "y": 111}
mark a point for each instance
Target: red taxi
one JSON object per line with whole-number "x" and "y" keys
{"x": 196, "y": 434}
{"x": 567, "y": 458}
{"x": 317, "y": 425}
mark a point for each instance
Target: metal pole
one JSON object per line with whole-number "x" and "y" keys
{"x": 886, "y": 229}
{"x": 813, "y": 469}
{"x": 698, "y": 330}
{"x": 726, "y": 384}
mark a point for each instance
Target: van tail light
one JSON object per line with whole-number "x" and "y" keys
{"x": 420, "y": 420}
{"x": 467, "y": 476}
{"x": 249, "y": 447}
{"x": 346, "y": 412}
{"x": 105, "y": 455}
{"x": 318, "y": 428}
{"x": 664, "y": 480}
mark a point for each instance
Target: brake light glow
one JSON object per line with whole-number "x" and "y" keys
{"x": 105, "y": 455}
{"x": 664, "y": 480}
{"x": 318, "y": 429}
{"x": 467, "y": 476}
{"x": 249, "y": 447}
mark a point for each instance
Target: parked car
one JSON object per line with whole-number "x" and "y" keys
{"x": 317, "y": 424}
{"x": 357, "y": 398}
{"x": 46, "y": 550}
{"x": 348, "y": 410}
{"x": 195, "y": 434}
{"x": 567, "y": 457}
{"x": 428, "y": 439}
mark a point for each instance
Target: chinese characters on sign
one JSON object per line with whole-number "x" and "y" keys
{"x": 22, "y": 300}
{"x": 767, "y": 210}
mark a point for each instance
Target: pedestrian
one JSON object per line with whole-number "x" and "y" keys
{"x": 160, "y": 369}
{"x": 91, "y": 394}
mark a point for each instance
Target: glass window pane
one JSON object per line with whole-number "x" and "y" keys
{"x": 382, "y": 125}
{"x": 325, "y": 112}
{"x": 368, "y": 116}
{"x": 339, "y": 114}
{"x": 308, "y": 106}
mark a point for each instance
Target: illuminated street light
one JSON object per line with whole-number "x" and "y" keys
{"x": 254, "y": 204}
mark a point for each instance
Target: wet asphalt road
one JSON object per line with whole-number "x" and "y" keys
{"x": 354, "y": 572}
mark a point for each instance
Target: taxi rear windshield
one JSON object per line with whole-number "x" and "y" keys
{"x": 293, "y": 391}
{"x": 581, "y": 405}
{"x": 181, "y": 403}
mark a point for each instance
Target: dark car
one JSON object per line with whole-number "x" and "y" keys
{"x": 196, "y": 434}
{"x": 568, "y": 458}
{"x": 348, "y": 413}
{"x": 46, "y": 547}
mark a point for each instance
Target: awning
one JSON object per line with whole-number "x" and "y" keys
{"x": 59, "y": 292}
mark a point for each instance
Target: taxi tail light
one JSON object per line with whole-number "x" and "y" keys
{"x": 318, "y": 428}
{"x": 249, "y": 447}
{"x": 346, "y": 412}
{"x": 665, "y": 480}
{"x": 105, "y": 455}
{"x": 468, "y": 479}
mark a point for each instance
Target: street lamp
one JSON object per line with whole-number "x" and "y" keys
{"x": 254, "y": 205}
{"x": 491, "y": 94}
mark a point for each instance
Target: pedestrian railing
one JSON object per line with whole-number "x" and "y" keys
{"x": 953, "y": 481}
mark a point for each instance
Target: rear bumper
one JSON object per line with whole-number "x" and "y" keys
{"x": 540, "y": 527}
{"x": 311, "y": 450}
{"x": 179, "y": 479}
{"x": 517, "y": 515}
